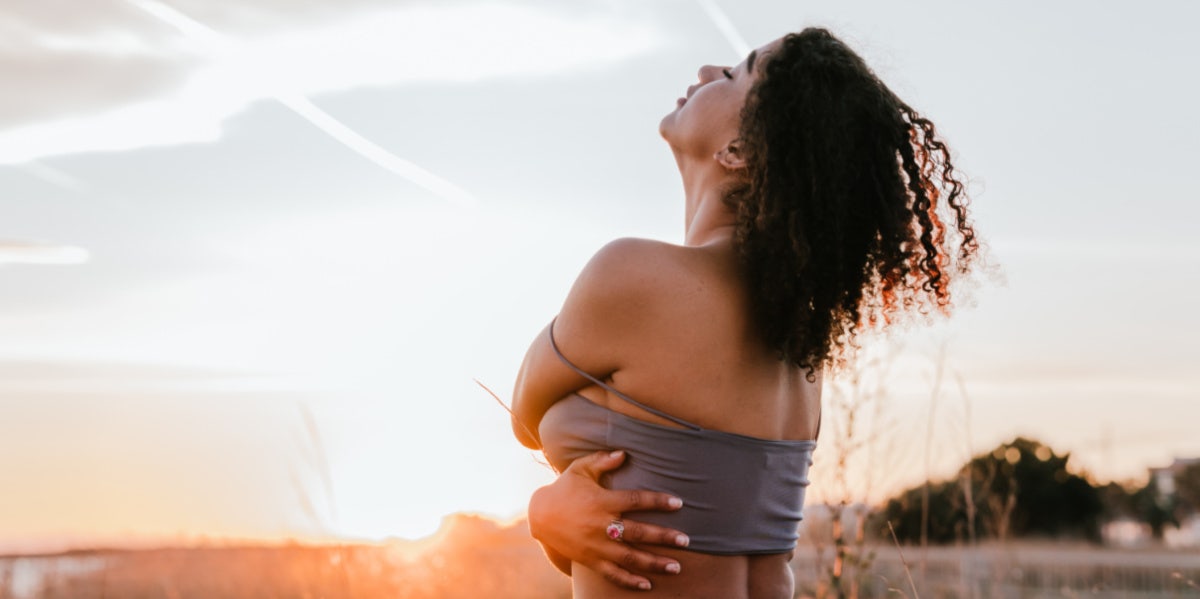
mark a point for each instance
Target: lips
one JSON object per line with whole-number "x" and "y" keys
{"x": 690, "y": 90}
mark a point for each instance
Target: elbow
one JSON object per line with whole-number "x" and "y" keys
{"x": 524, "y": 435}
{"x": 524, "y": 424}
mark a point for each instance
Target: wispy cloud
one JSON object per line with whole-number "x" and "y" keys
{"x": 1108, "y": 250}
{"x": 32, "y": 252}
{"x": 725, "y": 26}
{"x": 315, "y": 116}
{"x": 174, "y": 90}
{"x": 376, "y": 153}
{"x": 53, "y": 176}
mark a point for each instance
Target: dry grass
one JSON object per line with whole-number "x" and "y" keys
{"x": 1024, "y": 569}
{"x": 488, "y": 561}
{"x": 474, "y": 558}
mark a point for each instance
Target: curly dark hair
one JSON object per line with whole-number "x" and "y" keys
{"x": 838, "y": 224}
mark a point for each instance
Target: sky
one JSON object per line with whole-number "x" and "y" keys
{"x": 255, "y": 255}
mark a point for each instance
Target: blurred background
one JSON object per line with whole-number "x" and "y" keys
{"x": 254, "y": 255}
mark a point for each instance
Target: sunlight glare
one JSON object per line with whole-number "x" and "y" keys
{"x": 403, "y": 45}
{"x": 25, "y": 252}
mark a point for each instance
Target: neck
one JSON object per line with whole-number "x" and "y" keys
{"x": 706, "y": 218}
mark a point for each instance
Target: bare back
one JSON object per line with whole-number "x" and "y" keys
{"x": 701, "y": 359}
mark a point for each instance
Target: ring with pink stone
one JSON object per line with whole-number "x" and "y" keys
{"x": 615, "y": 530}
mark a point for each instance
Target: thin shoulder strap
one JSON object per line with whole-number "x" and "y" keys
{"x": 604, "y": 385}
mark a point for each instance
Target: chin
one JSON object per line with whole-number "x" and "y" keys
{"x": 665, "y": 126}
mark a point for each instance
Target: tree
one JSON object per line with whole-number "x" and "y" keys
{"x": 947, "y": 521}
{"x": 1117, "y": 501}
{"x": 1021, "y": 488}
{"x": 1155, "y": 509}
{"x": 1187, "y": 491}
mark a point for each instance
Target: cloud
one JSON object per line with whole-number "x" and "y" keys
{"x": 56, "y": 376}
{"x": 14, "y": 373}
{"x": 53, "y": 176}
{"x": 728, "y": 30}
{"x": 1099, "y": 250}
{"x": 54, "y": 84}
{"x": 122, "y": 79}
{"x": 61, "y": 58}
{"x": 32, "y": 252}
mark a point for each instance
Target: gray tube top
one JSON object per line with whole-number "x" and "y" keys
{"x": 741, "y": 495}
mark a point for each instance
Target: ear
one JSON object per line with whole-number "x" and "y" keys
{"x": 731, "y": 157}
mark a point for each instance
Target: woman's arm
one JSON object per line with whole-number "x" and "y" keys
{"x": 568, "y": 518}
{"x": 599, "y": 320}
{"x": 561, "y": 562}
{"x": 542, "y": 380}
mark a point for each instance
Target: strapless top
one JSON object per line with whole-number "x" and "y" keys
{"x": 742, "y": 495}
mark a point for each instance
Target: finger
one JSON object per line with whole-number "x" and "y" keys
{"x": 633, "y": 500}
{"x": 597, "y": 463}
{"x": 635, "y": 560}
{"x": 621, "y": 577}
{"x": 639, "y": 532}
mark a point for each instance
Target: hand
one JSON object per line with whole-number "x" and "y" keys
{"x": 568, "y": 518}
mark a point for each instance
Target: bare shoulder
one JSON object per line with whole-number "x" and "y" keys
{"x": 625, "y": 283}
{"x": 633, "y": 252}
{"x": 635, "y": 269}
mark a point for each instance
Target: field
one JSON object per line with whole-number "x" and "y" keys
{"x": 1013, "y": 570}
{"x": 474, "y": 557}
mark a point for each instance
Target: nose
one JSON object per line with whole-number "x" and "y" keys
{"x": 708, "y": 72}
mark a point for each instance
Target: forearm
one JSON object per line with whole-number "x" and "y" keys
{"x": 559, "y": 560}
{"x": 571, "y": 516}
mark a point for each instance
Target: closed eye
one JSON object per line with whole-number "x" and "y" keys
{"x": 727, "y": 73}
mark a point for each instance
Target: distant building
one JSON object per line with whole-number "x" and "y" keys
{"x": 1188, "y": 533}
{"x": 1164, "y": 478}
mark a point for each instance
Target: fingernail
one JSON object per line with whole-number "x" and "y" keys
{"x": 681, "y": 540}
{"x": 644, "y": 585}
{"x": 617, "y": 454}
{"x": 673, "y": 568}
{"x": 675, "y": 502}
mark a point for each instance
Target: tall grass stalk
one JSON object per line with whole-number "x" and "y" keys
{"x": 970, "y": 587}
{"x": 907, "y": 571}
{"x": 856, "y": 414}
{"x": 939, "y": 370}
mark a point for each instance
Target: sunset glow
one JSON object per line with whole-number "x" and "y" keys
{"x": 254, "y": 258}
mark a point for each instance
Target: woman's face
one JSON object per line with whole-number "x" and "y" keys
{"x": 706, "y": 120}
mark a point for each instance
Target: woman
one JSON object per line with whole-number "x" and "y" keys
{"x": 811, "y": 215}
